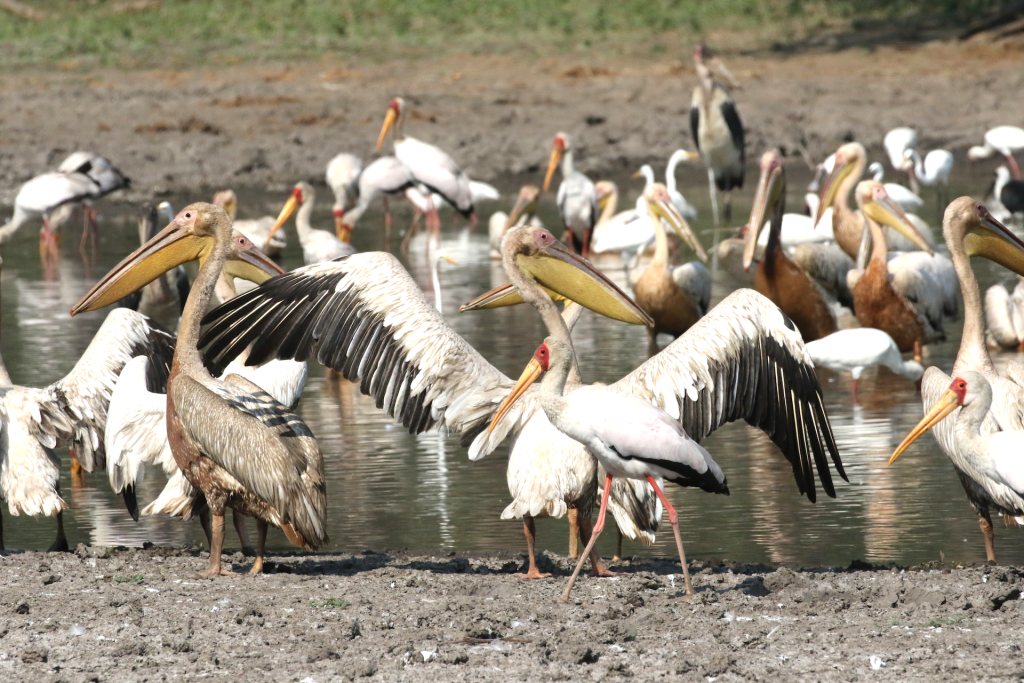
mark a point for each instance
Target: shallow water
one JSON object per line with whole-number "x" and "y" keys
{"x": 389, "y": 489}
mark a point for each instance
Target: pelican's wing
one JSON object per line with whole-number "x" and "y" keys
{"x": 282, "y": 379}
{"x": 29, "y": 470}
{"x": 84, "y": 394}
{"x": 136, "y": 432}
{"x": 365, "y": 317}
{"x": 745, "y": 360}
{"x": 732, "y": 119}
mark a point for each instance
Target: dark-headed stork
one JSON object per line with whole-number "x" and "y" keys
{"x": 717, "y": 130}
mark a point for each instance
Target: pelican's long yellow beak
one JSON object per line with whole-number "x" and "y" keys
{"x": 168, "y": 249}
{"x": 286, "y": 212}
{"x": 499, "y": 297}
{"x": 992, "y": 240}
{"x": 389, "y": 120}
{"x": 946, "y": 404}
{"x": 771, "y": 189}
{"x": 529, "y": 376}
{"x": 884, "y": 211}
{"x": 842, "y": 168}
{"x": 556, "y": 156}
{"x": 248, "y": 262}
{"x": 659, "y": 206}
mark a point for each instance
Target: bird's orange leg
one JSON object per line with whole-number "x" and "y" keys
{"x": 1014, "y": 168}
{"x": 574, "y": 534}
{"x": 261, "y": 546}
{"x": 985, "y": 522}
{"x": 618, "y": 547}
{"x": 674, "y": 519}
{"x": 917, "y": 350}
{"x": 530, "y": 529}
{"x": 598, "y": 528}
{"x": 77, "y": 476}
{"x": 217, "y": 546}
{"x": 243, "y": 536}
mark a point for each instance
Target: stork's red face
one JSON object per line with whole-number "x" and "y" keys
{"x": 543, "y": 356}
{"x": 959, "y": 387}
{"x": 558, "y": 150}
{"x": 560, "y": 143}
{"x": 396, "y": 105}
{"x": 297, "y": 193}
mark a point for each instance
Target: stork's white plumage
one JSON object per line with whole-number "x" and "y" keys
{"x": 41, "y": 196}
{"x": 857, "y": 349}
{"x": 317, "y": 245}
{"x": 1006, "y": 140}
{"x": 576, "y": 199}
{"x": 385, "y": 176}
{"x": 717, "y": 130}
{"x": 428, "y": 164}
{"x": 685, "y": 208}
{"x": 342, "y": 176}
{"x": 896, "y": 142}
{"x": 1004, "y": 315}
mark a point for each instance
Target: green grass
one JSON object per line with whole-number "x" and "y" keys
{"x": 329, "y": 602}
{"x": 137, "y": 578}
{"x": 172, "y": 33}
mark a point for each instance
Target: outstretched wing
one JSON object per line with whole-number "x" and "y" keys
{"x": 745, "y": 360}
{"x": 84, "y": 394}
{"x": 364, "y": 316}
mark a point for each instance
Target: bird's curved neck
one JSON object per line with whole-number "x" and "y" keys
{"x": 670, "y": 172}
{"x": 879, "y": 252}
{"x": 186, "y": 352}
{"x": 842, "y": 202}
{"x": 969, "y": 421}
{"x": 539, "y": 299}
{"x": 660, "y": 243}
{"x": 918, "y": 166}
{"x": 567, "y": 165}
{"x": 19, "y": 218}
{"x": 302, "y": 223}
{"x": 435, "y": 281}
{"x": 552, "y": 387}
{"x": 610, "y": 205}
{"x": 399, "y": 128}
{"x": 972, "y": 354}
{"x": 775, "y": 229}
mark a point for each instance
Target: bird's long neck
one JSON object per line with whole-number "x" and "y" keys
{"x": 972, "y": 354}
{"x": 552, "y": 387}
{"x": 534, "y": 295}
{"x": 844, "y": 219}
{"x": 19, "y": 218}
{"x": 670, "y": 171}
{"x": 302, "y": 224}
{"x": 660, "y": 243}
{"x": 918, "y": 166}
{"x": 879, "y": 252}
{"x": 969, "y": 421}
{"x": 775, "y": 229}
{"x": 567, "y": 165}
{"x": 186, "y": 353}
{"x": 610, "y": 205}
{"x": 399, "y": 129}
{"x": 435, "y": 281}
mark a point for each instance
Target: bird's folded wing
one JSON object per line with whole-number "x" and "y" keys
{"x": 745, "y": 360}
{"x": 364, "y": 317}
{"x": 84, "y": 394}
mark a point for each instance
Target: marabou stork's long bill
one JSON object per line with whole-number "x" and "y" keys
{"x": 743, "y": 360}
{"x": 427, "y": 163}
{"x": 231, "y": 440}
{"x": 717, "y": 130}
{"x": 576, "y": 199}
{"x": 970, "y": 230}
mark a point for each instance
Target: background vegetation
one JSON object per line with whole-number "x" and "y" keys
{"x": 187, "y": 32}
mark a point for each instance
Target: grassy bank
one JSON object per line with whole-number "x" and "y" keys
{"x": 148, "y": 33}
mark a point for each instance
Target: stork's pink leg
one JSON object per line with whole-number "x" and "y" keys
{"x": 673, "y": 518}
{"x": 387, "y": 223}
{"x": 530, "y": 529}
{"x": 598, "y": 528}
{"x": 1014, "y": 168}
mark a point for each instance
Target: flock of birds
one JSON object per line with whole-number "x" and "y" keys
{"x": 201, "y": 378}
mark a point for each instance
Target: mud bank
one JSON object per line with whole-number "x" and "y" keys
{"x": 144, "y": 615}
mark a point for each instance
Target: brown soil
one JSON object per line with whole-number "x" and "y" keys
{"x": 268, "y": 126}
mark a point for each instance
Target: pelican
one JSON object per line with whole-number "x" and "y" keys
{"x": 970, "y": 230}
{"x": 896, "y": 142}
{"x": 71, "y": 411}
{"x": 717, "y": 130}
{"x": 630, "y": 430}
{"x": 383, "y": 176}
{"x": 676, "y": 297}
{"x": 317, "y": 245}
{"x": 233, "y": 441}
{"x": 1004, "y": 315}
{"x": 1009, "y": 192}
{"x": 859, "y": 348}
{"x": 903, "y": 196}
{"x": 51, "y": 197}
{"x": 342, "y": 177}
{"x": 256, "y": 230}
{"x": 876, "y": 301}
{"x": 775, "y": 276}
{"x": 934, "y": 170}
{"x": 162, "y": 299}
{"x": 685, "y": 208}
{"x": 523, "y": 213}
{"x": 428, "y": 164}
{"x": 576, "y": 199}
{"x": 991, "y": 461}
{"x": 1005, "y": 140}
{"x": 847, "y": 224}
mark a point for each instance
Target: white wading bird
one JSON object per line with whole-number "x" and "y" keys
{"x": 1004, "y": 315}
{"x": 342, "y": 177}
{"x": 256, "y": 230}
{"x": 860, "y": 348}
{"x": 896, "y": 142}
{"x": 934, "y": 170}
{"x": 576, "y": 199}
{"x": 1006, "y": 140}
{"x": 317, "y": 245}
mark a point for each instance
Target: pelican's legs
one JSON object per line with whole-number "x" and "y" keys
{"x": 674, "y": 519}
{"x": 60, "y": 544}
{"x": 985, "y": 522}
{"x": 204, "y": 522}
{"x": 387, "y": 223}
{"x": 238, "y": 519}
{"x": 217, "y": 544}
{"x": 917, "y": 350}
{"x": 728, "y": 206}
{"x": 89, "y": 216}
{"x": 77, "y": 471}
{"x": 618, "y": 546}
{"x": 595, "y": 532}
{"x": 261, "y": 546}
{"x": 409, "y": 232}
{"x": 597, "y": 567}
{"x": 714, "y": 195}
{"x": 1014, "y": 168}
{"x": 586, "y": 244}
{"x": 531, "y": 534}
{"x": 574, "y": 534}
